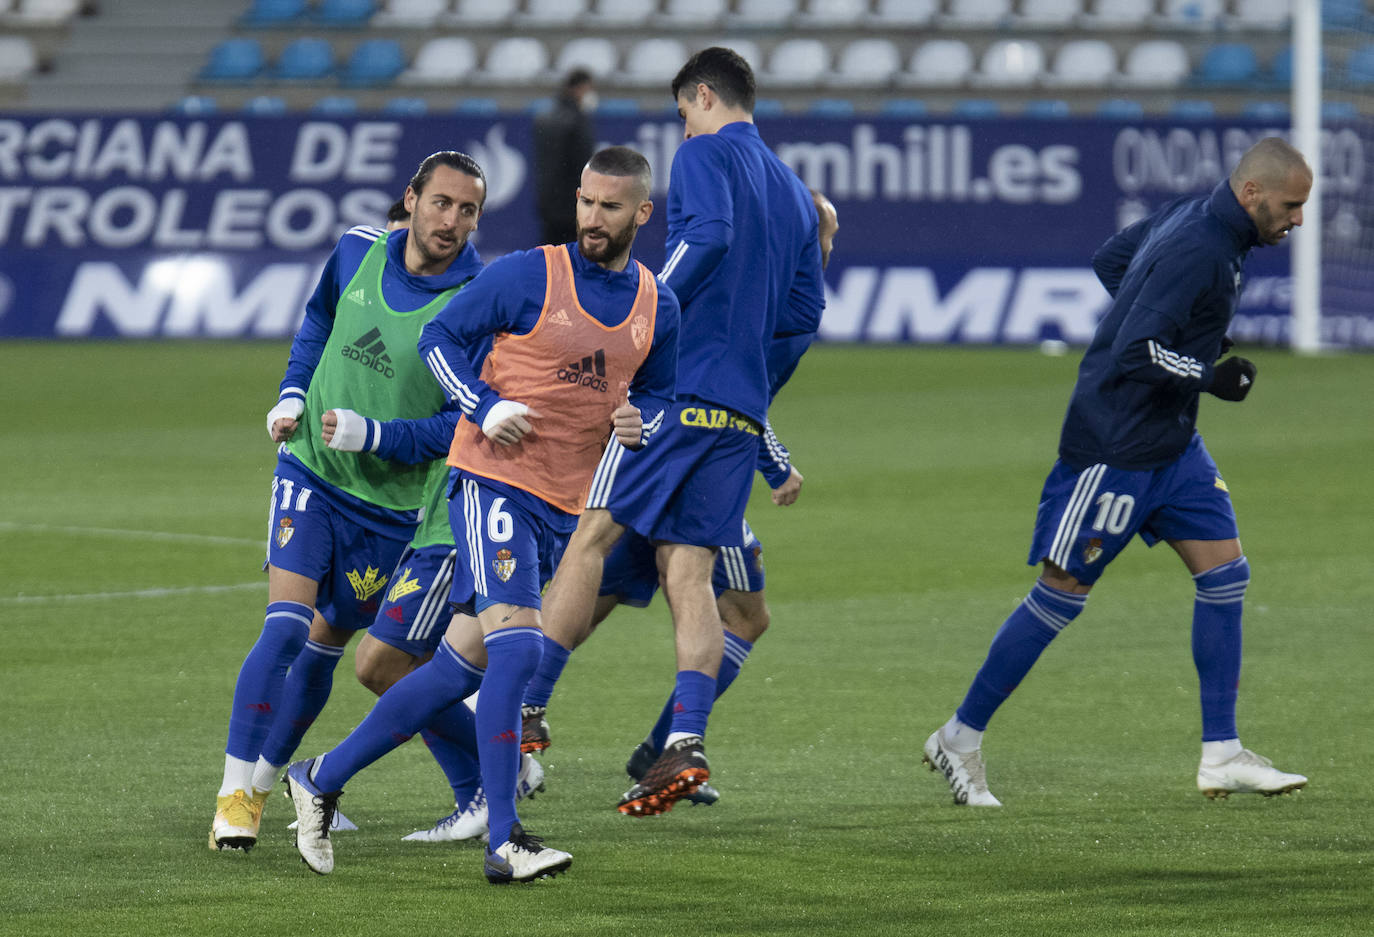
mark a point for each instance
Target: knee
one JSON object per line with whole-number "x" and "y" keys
{"x": 748, "y": 622}
{"x": 378, "y": 666}
{"x": 1224, "y": 583}
{"x": 371, "y": 676}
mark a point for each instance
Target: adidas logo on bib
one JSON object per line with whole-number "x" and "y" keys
{"x": 370, "y": 351}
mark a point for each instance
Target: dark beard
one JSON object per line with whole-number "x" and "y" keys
{"x": 615, "y": 245}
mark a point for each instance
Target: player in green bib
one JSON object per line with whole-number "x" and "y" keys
{"x": 339, "y": 520}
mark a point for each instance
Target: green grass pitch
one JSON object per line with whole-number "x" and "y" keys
{"x": 132, "y": 511}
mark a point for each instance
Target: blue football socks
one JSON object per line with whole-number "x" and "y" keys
{"x": 1216, "y": 645}
{"x": 693, "y": 694}
{"x": 736, "y": 653}
{"x": 1042, "y": 614}
{"x": 550, "y": 668}
{"x": 303, "y": 697}
{"x": 409, "y": 705}
{"x": 257, "y": 694}
{"x": 512, "y": 658}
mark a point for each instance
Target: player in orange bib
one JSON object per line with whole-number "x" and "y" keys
{"x": 573, "y": 343}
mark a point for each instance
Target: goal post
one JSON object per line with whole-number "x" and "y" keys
{"x": 1305, "y": 330}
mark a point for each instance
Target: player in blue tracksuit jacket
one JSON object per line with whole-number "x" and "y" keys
{"x": 1131, "y": 462}
{"x": 744, "y": 259}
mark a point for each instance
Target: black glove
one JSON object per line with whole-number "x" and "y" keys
{"x": 1226, "y": 345}
{"x": 1233, "y": 378}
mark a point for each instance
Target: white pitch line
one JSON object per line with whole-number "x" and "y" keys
{"x": 130, "y": 534}
{"x": 137, "y": 594}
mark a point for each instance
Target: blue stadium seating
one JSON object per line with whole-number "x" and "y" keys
{"x": 1340, "y": 110}
{"x": 1193, "y": 109}
{"x": 977, "y": 109}
{"x": 352, "y": 14}
{"x": 196, "y": 104}
{"x": 1359, "y": 68}
{"x": 373, "y": 62}
{"x": 235, "y": 60}
{"x": 1281, "y": 69}
{"x": 478, "y": 107}
{"x": 768, "y": 107}
{"x": 406, "y": 107}
{"x": 265, "y": 105}
{"x": 1265, "y": 110}
{"x": 903, "y": 107}
{"x": 308, "y": 58}
{"x": 1228, "y": 63}
{"x": 1343, "y": 14}
{"x": 1047, "y": 109}
{"x": 831, "y": 107}
{"x": 1121, "y": 109}
{"x": 617, "y": 107}
{"x": 273, "y": 13}
{"x": 338, "y": 105}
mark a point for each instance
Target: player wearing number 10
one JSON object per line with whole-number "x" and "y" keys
{"x": 1131, "y": 462}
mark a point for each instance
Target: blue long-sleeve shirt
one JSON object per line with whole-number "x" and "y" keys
{"x": 1175, "y": 281}
{"x": 744, "y": 259}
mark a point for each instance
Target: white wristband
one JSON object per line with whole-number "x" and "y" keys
{"x": 288, "y": 408}
{"x": 501, "y": 411}
{"x": 350, "y": 431}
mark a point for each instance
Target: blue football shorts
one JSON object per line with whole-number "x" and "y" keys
{"x": 415, "y": 612}
{"x": 310, "y": 536}
{"x": 506, "y": 552}
{"x": 689, "y": 483}
{"x": 631, "y": 572}
{"x": 1087, "y": 517}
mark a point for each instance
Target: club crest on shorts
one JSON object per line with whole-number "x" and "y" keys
{"x": 503, "y": 565}
{"x": 1093, "y": 551}
{"x": 286, "y": 527}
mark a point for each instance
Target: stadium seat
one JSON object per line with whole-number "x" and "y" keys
{"x": 691, "y": 14}
{"x": 595, "y": 54}
{"x": 831, "y": 107}
{"x": 308, "y": 58}
{"x": 904, "y": 108}
{"x": 373, "y": 62}
{"x": 653, "y": 62}
{"x": 1189, "y": 14}
{"x": 797, "y": 62}
{"x": 867, "y": 63}
{"x": 622, "y": 13}
{"x": 274, "y": 13}
{"x": 235, "y": 60}
{"x": 410, "y": 14}
{"x": 552, "y": 14}
{"x": 447, "y": 60}
{"x": 265, "y": 105}
{"x": 1049, "y": 14}
{"x": 825, "y": 14}
{"x": 617, "y": 107}
{"x": 1159, "y": 63}
{"x": 1281, "y": 69}
{"x": 405, "y": 107}
{"x": 1082, "y": 63}
{"x": 347, "y": 14}
{"x": 939, "y": 63}
{"x": 1009, "y": 63}
{"x": 976, "y": 14}
{"x": 1046, "y": 109}
{"x": 1228, "y": 63}
{"x": 18, "y": 59}
{"x": 1343, "y": 14}
{"x": 335, "y": 104}
{"x": 746, "y": 49}
{"x": 977, "y": 109}
{"x": 1359, "y": 68}
{"x": 1121, "y": 109}
{"x": 903, "y": 14}
{"x": 1265, "y": 110}
{"x": 768, "y": 107}
{"x": 482, "y": 13}
{"x": 515, "y": 60}
{"x": 1192, "y": 109}
{"x": 1260, "y": 14}
{"x": 763, "y": 14}
{"x": 1117, "y": 14}
{"x": 196, "y": 104}
{"x": 475, "y": 107}
{"x": 1340, "y": 110}
{"x": 45, "y": 13}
